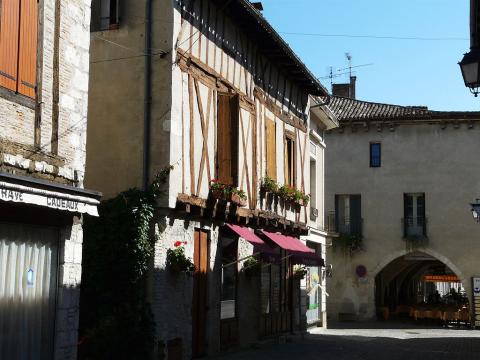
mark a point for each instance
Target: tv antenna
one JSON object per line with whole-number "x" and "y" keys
{"x": 343, "y": 71}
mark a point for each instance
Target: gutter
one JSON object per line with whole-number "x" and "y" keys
{"x": 147, "y": 109}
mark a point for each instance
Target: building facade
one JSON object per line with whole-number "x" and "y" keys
{"x": 211, "y": 100}
{"x": 44, "y": 63}
{"x": 399, "y": 182}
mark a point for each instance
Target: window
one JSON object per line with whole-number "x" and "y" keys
{"x": 313, "y": 190}
{"x": 18, "y": 46}
{"x": 290, "y": 159}
{"x": 271, "y": 148}
{"x": 227, "y": 139}
{"x": 414, "y": 222}
{"x": 105, "y": 15}
{"x": 375, "y": 155}
{"x": 229, "y": 278}
{"x": 348, "y": 214}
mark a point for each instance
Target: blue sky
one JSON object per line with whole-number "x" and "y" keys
{"x": 405, "y": 72}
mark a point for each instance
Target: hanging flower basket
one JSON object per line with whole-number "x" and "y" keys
{"x": 299, "y": 272}
{"x": 251, "y": 267}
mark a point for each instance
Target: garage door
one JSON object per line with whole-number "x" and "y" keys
{"x": 28, "y": 268}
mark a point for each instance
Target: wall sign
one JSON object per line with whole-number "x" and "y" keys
{"x": 476, "y": 300}
{"x": 51, "y": 199}
{"x": 361, "y": 271}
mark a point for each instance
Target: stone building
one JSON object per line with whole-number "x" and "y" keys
{"x": 220, "y": 96}
{"x": 399, "y": 181}
{"x": 44, "y": 63}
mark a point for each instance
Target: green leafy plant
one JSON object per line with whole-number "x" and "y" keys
{"x": 251, "y": 266}
{"x": 349, "y": 243}
{"x": 177, "y": 260}
{"x": 299, "y": 271}
{"x": 269, "y": 185}
{"x": 241, "y": 194}
{"x": 286, "y": 192}
{"x": 219, "y": 190}
{"x": 116, "y": 320}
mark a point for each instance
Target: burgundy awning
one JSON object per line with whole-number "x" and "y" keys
{"x": 299, "y": 253}
{"x": 260, "y": 246}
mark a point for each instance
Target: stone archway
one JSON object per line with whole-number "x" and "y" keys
{"x": 400, "y": 284}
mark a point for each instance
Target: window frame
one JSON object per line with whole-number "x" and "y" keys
{"x": 373, "y": 164}
{"x": 290, "y": 167}
{"x": 22, "y": 41}
{"x": 113, "y": 18}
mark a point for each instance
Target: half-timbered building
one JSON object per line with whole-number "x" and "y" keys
{"x": 210, "y": 88}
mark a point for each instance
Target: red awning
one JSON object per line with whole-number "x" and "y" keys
{"x": 300, "y": 253}
{"x": 259, "y": 245}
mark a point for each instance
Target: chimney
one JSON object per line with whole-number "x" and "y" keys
{"x": 257, "y": 5}
{"x": 353, "y": 83}
{"x": 345, "y": 90}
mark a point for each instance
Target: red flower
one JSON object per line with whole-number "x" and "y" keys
{"x": 177, "y": 243}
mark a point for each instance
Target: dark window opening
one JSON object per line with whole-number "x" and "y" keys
{"x": 105, "y": 15}
{"x": 414, "y": 221}
{"x": 348, "y": 214}
{"x": 375, "y": 155}
{"x": 289, "y": 160}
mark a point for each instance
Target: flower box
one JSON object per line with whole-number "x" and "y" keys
{"x": 238, "y": 200}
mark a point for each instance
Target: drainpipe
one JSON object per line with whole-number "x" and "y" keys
{"x": 147, "y": 93}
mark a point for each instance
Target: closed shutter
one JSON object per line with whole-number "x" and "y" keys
{"x": 405, "y": 214}
{"x": 271, "y": 146}
{"x": 27, "y": 61}
{"x": 227, "y": 139}
{"x": 337, "y": 215}
{"x": 28, "y": 282}
{"x": 356, "y": 215}
{"x": 9, "y": 27}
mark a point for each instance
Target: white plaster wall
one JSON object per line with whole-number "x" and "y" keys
{"x": 420, "y": 158}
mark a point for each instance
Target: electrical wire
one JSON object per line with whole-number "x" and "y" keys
{"x": 380, "y": 37}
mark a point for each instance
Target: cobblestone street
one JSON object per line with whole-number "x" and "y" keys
{"x": 373, "y": 343}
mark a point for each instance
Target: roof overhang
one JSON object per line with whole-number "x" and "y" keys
{"x": 323, "y": 114}
{"x": 271, "y": 44}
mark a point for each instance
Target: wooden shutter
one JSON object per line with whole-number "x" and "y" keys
{"x": 337, "y": 214}
{"x": 227, "y": 139}
{"x": 356, "y": 215}
{"x": 271, "y": 147}
{"x": 27, "y": 62}
{"x": 9, "y": 27}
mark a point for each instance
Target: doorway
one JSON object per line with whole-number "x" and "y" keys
{"x": 200, "y": 293}
{"x": 28, "y": 283}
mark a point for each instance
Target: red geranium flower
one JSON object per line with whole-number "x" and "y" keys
{"x": 177, "y": 243}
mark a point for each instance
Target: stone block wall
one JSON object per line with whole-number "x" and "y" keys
{"x": 68, "y": 291}
{"x": 20, "y": 151}
{"x": 171, "y": 293}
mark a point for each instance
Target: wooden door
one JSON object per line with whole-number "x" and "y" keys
{"x": 199, "y": 306}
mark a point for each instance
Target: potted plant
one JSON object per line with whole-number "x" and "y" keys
{"x": 299, "y": 272}
{"x": 251, "y": 266}
{"x": 238, "y": 197}
{"x": 177, "y": 261}
{"x": 268, "y": 185}
{"x": 217, "y": 189}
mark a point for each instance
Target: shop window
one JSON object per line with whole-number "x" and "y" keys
{"x": 18, "y": 46}
{"x": 290, "y": 159}
{"x": 229, "y": 278}
{"x": 348, "y": 214}
{"x": 227, "y": 139}
{"x": 375, "y": 154}
{"x": 105, "y": 15}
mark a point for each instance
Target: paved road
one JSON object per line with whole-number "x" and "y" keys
{"x": 373, "y": 343}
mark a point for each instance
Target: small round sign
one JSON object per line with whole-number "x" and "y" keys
{"x": 361, "y": 271}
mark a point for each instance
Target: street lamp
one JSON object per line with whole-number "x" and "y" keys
{"x": 470, "y": 64}
{"x": 476, "y": 209}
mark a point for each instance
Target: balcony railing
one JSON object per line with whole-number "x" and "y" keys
{"x": 414, "y": 226}
{"x": 343, "y": 225}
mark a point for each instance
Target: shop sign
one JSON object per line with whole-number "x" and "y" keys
{"x": 50, "y": 199}
{"x": 476, "y": 300}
